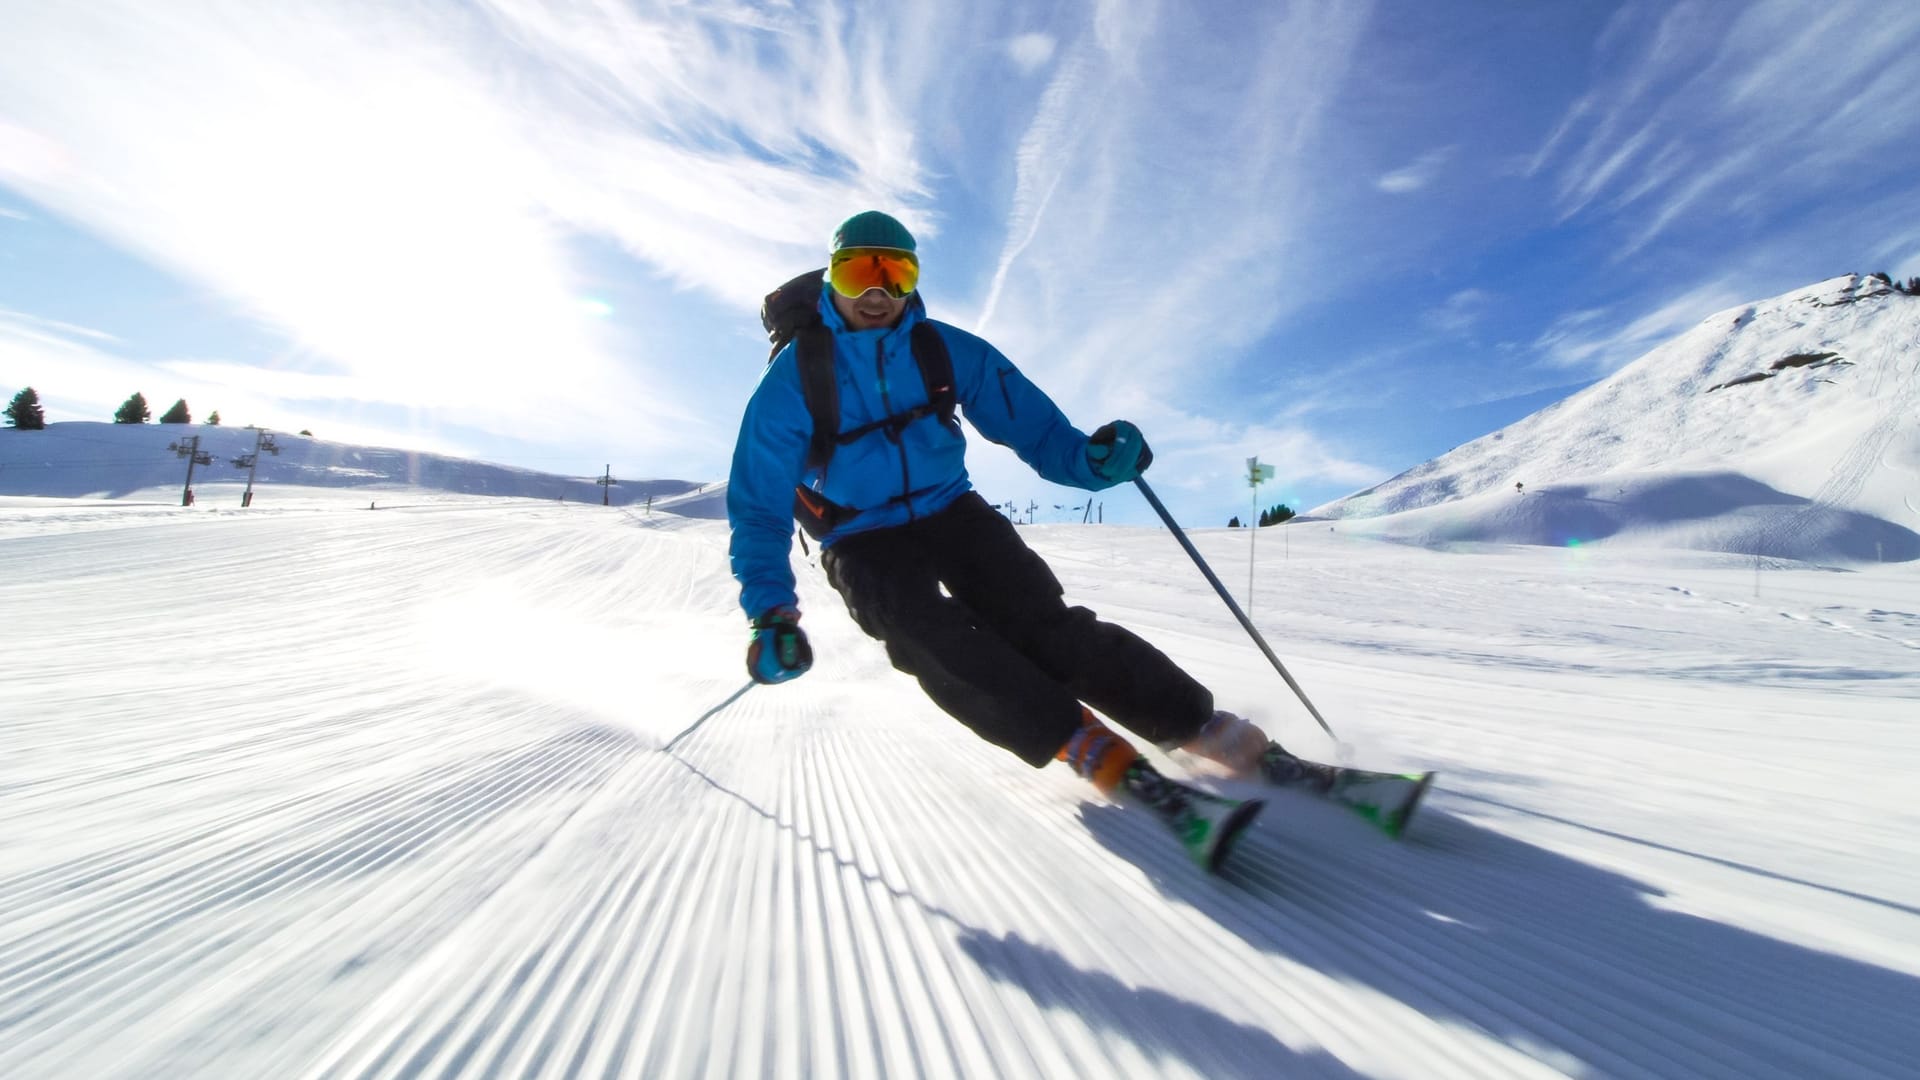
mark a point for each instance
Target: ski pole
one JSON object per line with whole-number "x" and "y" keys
{"x": 695, "y": 726}
{"x": 1214, "y": 580}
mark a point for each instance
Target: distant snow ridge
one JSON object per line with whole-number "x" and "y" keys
{"x": 101, "y": 460}
{"x": 1788, "y": 428}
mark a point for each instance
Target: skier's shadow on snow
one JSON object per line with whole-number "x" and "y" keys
{"x": 1157, "y": 1022}
{"x": 1466, "y": 924}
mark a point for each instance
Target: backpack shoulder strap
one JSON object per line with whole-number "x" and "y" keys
{"x": 936, "y": 368}
{"x": 792, "y": 312}
{"x": 813, "y": 350}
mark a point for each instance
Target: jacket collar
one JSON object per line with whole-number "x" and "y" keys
{"x": 830, "y": 315}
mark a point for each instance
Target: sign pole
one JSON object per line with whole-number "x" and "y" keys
{"x": 1256, "y": 473}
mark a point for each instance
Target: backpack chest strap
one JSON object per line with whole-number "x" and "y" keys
{"x": 820, "y": 387}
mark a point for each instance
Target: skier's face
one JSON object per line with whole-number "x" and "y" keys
{"x": 871, "y": 310}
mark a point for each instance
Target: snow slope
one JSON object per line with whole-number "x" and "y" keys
{"x": 1786, "y": 428}
{"x": 308, "y": 791}
{"x": 98, "y": 460}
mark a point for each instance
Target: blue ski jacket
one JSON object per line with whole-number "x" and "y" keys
{"x": 890, "y": 482}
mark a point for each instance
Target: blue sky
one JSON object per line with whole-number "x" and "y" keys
{"x": 1344, "y": 237}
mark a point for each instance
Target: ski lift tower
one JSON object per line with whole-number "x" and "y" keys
{"x": 195, "y": 456}
{"x": 262, "y": 440}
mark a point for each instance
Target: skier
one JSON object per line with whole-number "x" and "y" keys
{"x": 898, "y": 523}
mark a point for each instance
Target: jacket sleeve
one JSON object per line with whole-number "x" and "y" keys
{"x": 768, "y": 460}
{"x": 1009, "y": 409}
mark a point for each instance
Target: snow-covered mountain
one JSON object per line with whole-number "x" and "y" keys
{"x": 99, "y": 460}
{"x": 1789, "y": 428}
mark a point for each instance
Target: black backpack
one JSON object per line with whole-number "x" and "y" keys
{"x": 792, "y": 312}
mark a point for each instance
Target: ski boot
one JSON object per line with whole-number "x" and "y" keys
{"x": 1386, "y": 799}
{"x": 1206, "y": 824}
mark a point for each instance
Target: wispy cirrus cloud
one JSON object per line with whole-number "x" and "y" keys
{"x": 82, "y": 373}
{"x": 1592, "y": 340}
{"x": 1162, "y": 192}
{"x": 23, "y": 325}
{"x": 1459, "y": 313}
{"x": 1030, "y": 52}
{"x": 1415, "y": 175}
{"x": 1699, "y": 111}
{"x": 1899, "y": 252}
{"x": 68, "y": 366}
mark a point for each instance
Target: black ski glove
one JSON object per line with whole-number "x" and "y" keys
{"x": 1118, "y": 452}
{"x": 779, "y": 649}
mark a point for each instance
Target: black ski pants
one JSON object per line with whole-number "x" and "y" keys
{"x": 999, "y": 649}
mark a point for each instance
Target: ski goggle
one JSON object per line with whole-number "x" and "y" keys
{"x": 855, "y": 270}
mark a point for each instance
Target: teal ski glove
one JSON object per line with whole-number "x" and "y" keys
{"x": 1118, "y": 452}
{"x": 779, "y": 649}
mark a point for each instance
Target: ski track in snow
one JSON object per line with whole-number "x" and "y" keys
{"x": 344, "y": 794}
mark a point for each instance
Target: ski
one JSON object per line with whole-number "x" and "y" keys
{"x": 1387, "y": 799}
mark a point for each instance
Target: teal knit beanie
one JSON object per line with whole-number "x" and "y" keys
{"x": 871, "y": 228}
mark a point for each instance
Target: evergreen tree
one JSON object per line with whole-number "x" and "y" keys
{"x": 1234, "y": 523}
{"x": 178, "y": 414}
{"x": 133, "y": 411}
{"x": 1275, "y": 516}
{"x": 214, "y": 420}
{"x": 25, "y": 412}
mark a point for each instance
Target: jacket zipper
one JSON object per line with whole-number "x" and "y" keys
{"x": 900, "y": 443}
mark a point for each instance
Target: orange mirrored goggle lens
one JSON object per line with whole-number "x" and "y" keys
{"x": 856, "y": 270}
